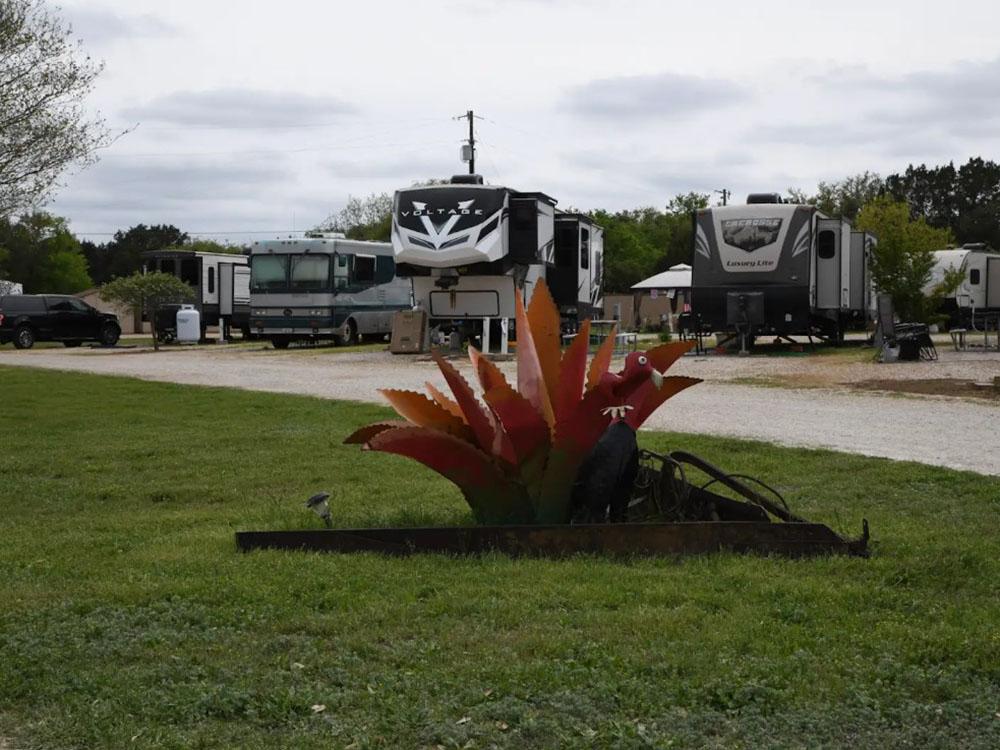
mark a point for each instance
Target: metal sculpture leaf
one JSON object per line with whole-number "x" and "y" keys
{"x": 602, "y": 359}
{"x": 444, "y": 402}
{"x": 530, "y": 379}
{"x": 421, "y": 411}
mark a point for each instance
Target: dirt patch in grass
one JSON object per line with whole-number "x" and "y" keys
{"x": 933, "y": 387}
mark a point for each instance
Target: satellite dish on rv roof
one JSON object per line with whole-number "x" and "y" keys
{"x": 764, "y": 198}
{"x": 467, "y": 179}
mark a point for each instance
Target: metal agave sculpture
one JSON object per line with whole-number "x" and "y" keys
{"x": 516, "y": 453}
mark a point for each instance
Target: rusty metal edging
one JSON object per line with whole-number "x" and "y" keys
{"x": 618, "y": 539}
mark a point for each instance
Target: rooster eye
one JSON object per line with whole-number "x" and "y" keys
{"x": 642, "y": 361}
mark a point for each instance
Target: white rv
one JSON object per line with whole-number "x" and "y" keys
{"x": 221, "y": 282}
{"x": 324, "y": 287}
{"x": 10, "y": 287}
{"x": 468, "y": 246}
{"x": 979, "y": 292}
{"x": 773, "y": 268}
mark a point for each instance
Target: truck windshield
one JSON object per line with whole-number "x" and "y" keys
{"x": 310, "y": 272}
{"x": 268, "y": 273}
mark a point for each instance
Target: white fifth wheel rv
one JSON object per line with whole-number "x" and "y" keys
{"x": 221, "y": 282}
{"x": 468, "y": 246}
{"x": 978, "y": 294}
{"x": 773, "y": 268}
{"x": 324, "y": 287}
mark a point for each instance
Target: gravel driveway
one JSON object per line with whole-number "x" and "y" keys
{"x": 942, "y": 431}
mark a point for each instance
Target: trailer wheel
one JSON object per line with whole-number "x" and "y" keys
{"x": 348, "y": 335}
{"x": 280, "y": 343}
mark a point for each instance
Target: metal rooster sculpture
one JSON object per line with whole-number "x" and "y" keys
{"x": 525, "y": 456}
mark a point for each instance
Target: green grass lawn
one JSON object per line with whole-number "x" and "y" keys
{"x": 128, "y": 618}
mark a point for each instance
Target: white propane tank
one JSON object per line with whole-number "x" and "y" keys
{"x": 188, "y": 324}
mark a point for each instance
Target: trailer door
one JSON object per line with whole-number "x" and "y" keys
{"x": 828, "y": 250}
{"x": 993, "y": 283}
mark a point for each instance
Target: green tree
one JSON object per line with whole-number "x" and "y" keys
{"x": 44, "y": 129}
{"x": 39, "y": 251}
{"x": 844, "y": 198}
{"x": 901, "y": 262}
{"x": 122, "y": 256}
{"x": 147, "y": 293}
{"x": 368, "y": 218}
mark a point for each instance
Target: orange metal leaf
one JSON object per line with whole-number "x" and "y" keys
{"x": 662, "y": 357}
{"x": 546, "y": 330}
{"x": 530, "y": 379}
{"x": 417, "y": 409}
{"x": 488, "y": 373}
{"x": 572, "y": 370}
{"x": 492, "y": 495}
{"x": 444, "y": 402}
{"x": 602, "y": 360}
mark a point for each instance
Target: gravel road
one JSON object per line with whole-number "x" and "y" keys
{"x": 935, "y": 430}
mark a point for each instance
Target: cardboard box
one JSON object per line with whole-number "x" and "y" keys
{"x": 409, "y": 332}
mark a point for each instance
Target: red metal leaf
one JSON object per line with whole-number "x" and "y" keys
{"x": 572, "y": 370}
{"x": 417, "y": 409}
{"x": 529, "y": 435}
{"x": 602, "y": 360}
{"x": 530, "y": 379}
{"x": 485, "y": 429}
{"x": 492, "y": 495}
{"x": 362, "y": 435}
{"x": 648, "y": 398}
{"x": 662, "y": 357}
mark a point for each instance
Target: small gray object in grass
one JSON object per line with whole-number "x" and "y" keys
{"x": 318, "y": 505}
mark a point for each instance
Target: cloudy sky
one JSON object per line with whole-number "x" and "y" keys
{"x": 265, "y": 116}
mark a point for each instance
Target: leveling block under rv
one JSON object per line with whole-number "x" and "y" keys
{"x": 771, "y": 268}
{"x": 468, "y": 246}
{"x": 324, "y": 287}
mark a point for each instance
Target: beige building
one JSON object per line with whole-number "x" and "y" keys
{"x": 653, "y": 302}
{"x": 127, "y": 319}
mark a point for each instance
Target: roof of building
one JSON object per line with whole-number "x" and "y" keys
{"x": 675, "y": 277}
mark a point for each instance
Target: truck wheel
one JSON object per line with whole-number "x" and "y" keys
{"x": 348, "y": 335}
{"x": 24, "y": 337}
{"x": 109, "y": 335}
{"x": 280, "y": 343}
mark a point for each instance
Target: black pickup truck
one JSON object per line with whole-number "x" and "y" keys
{"x": 27, "y": 318}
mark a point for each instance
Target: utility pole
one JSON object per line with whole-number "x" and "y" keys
{"x": 471, "y": 117}
{"x": 725, "y": 195}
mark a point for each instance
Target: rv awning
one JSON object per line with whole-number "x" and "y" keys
{"x": 675, "y": 277}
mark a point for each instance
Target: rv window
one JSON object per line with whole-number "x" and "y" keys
{"x": 268, "y": 272}
{"x": 385, "y": 269}
{"x": 524, "y": 214}
{"x": 211, "y": 279}
{"x": 826, "y": 244}
{"x": 584, "y": 248}
{"x": 189, "y": 271}
{"x": 566, "y": 244}
{"x": 340, "y": 272}
{"x": 310, "y": 272}
{"x": 364, "y": 269}
{"x": 974, "y": 276}
{"x": 167, "y": 265}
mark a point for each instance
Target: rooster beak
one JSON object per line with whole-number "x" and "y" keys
{"x": 657, "y": 377}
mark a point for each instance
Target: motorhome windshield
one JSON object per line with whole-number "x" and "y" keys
{"x": 268, "y": 273}
{"x": 309, "y": 273}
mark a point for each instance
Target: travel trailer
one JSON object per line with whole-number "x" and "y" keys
{"x": 773, "y": 268}
{"x": 324, "y": 287}
{"x": 467, "y": 246}
{"x": 978, "y": 294}
{"x": 221, "y": 283}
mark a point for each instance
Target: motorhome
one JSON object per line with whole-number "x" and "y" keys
{"x": 324, "y": 287}
{"x": 978, "y": 293}
{"x": 774, "y": 268}
{"x": 221, "y": 282}
{"x": 467, "y": 246}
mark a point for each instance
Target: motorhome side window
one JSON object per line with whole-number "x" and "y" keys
{"x": 167, "y": 265}
{"x": 584, "y": 248}
{"x": 364, "y": 269}
{"x": 826, "y": 245}
{"x": 309, "y": 272}
{"x": 385, "y": 269}
{"x": 974, "y": 276}
{"x": 189, "y": 271}
{"x": 341, "y": 272}
{"x": 268, "y": 272}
